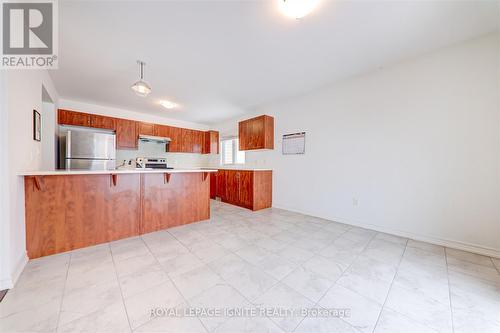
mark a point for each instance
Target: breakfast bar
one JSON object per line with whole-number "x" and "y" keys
{"x": 71, "y": 209}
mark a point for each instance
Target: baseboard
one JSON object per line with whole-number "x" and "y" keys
{"x": 18, "y": 269}
{"x": 474, "y": 248}
{"x": 6, "y": 284}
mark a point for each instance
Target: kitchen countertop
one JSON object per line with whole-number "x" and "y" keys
{"x": 242, "y": 168}
{"x": 109, "y": 172}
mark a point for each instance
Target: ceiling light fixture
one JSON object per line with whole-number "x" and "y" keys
{"x": 297, "y": 8}
{"x": 168, "y": 105}
{"x": 141, "y": 87}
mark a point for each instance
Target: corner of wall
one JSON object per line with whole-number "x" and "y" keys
{"x": 8, "y": 283}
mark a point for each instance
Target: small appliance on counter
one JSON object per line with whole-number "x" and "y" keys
{"x": 152, "y": 163}
{"x": 85, "y": 149}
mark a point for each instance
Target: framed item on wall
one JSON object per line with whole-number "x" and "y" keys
{"x": 37, "y": 126}
{"x": 294, "y": 143}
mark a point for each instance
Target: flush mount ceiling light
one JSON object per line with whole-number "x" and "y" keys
{"x": 167, "y": 104}
{"x": 141, "y": 87}
{"x": 297, "y": 8}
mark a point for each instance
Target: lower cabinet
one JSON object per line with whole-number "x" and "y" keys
{"x": 178, "y": 199}
{"x": 64, "y": 213}
{"x": 250, "y": 189}
{"x": 67, "y": 212}
{"x": 213, "y": 185}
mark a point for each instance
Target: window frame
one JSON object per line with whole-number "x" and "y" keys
{"x": 235, "y": 148}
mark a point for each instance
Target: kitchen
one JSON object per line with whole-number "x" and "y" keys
{"x": 140, "y": 195}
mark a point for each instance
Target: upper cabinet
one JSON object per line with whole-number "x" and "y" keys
{"x": 256, "y": 133}
{"x": 175, "y": 134}
{"x": 146, "y": 129}
{"x": 67, "y": 117}
{"x": 126, "y": 134}
{"x": 184, "y": 140}
{"x": 210, "y": 142}
{"x": 198, "y": 141}
{"x": 103, "y": 122}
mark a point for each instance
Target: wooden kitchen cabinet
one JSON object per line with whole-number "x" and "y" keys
{"x": 74, "y": 118}
{"x": 210, "y": 142}
{"x": 213, "y": 185}
{"x": 220, "y": 190}
{"x": 126, "y": 134}
{"x": 183, "y": 199}
{"x": 232, "y": 187}
{"x": 68, "y": 117}
{"x": 103, "y": 122}
{"x": 184, "y": 140}
{"x": 250, "y": 189}
{"x": 246, "y": 189}
{"x": 67, "y": 212}
{"x": 192, "y": 141}
{"x": 147, "y": 129}
{"x": 176, "y": 145}
{"x": 198, "y": 141}
{"x": 256, "y": 133}
{"x": 71, "y": 212}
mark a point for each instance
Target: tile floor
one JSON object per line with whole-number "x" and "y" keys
{"x": 243, "y": 260}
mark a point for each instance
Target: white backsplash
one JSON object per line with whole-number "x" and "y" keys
{"x": 176, "y": 160}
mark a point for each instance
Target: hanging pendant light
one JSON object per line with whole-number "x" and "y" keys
{"x": 141, "y": 87}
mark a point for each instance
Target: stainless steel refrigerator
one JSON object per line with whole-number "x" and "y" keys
{"x": 83, "y": 149}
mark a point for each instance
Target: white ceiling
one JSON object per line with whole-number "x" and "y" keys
{"x": 219, "y": 59}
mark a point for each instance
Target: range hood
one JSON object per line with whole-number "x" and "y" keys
{"x": 152, "y": 138}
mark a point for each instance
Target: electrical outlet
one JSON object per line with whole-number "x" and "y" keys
{"x": 355, "y": 201}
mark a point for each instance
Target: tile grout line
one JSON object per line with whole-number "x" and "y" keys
{"x": 119, "y": 286}
{"x": 64, "y": 291}
{"x": 278, "y": 281}
{"x": 189, "y": 250}
{"x": 390, "y": 287}
{"x": 335, "y": 282}
{"x": 170, "y": 279}
{"x": 226, "y": 282}
{"x": 252, "y": 301}
{"x": 449, "y": 289}
{"x": 449, "y": 271}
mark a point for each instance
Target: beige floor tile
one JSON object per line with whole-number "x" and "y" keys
{"x": 363, "y": 312}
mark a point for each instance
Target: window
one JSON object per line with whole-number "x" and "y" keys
{"x": 230, "y": 153}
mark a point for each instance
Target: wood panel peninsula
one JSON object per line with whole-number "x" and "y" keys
{"x": 67, "y": 210}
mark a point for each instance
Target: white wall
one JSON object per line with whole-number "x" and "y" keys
{"x": 24, "y": 93}
{"x": 5, "y": 276}
{"x": 49, "y": 136}
{"x": 417, "y": 144}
